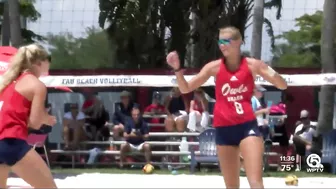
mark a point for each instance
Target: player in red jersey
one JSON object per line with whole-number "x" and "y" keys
{"x": 234, "y": 120}
{"x": 22, "y": 98}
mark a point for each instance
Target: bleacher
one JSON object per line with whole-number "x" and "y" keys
{"x": 163, "y": 139}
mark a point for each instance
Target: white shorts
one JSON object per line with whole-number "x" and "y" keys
{"x": 182, "y": 115}
{"x": 136, "y": 147}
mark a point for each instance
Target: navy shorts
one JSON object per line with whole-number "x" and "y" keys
{"x": 233, "y": 135}
{"x": 12, "y": 150}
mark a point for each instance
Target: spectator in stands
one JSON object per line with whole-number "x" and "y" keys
{"x": 136, "y": 133}
{"x": 198, "y": 112}
{"x": 73, "y": 127}
{"x": 122, "y": 112}
{"x": 155, "y": 109}
{"x": 177, "y": 108}
{"x": 97, "y": 118}
{"x": 260, "y": 112}
{"x": 303, "y": 136}
{"x": 279, "y": 131}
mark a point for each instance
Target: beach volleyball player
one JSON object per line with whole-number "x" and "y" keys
{"x": 234, "y": 120}
{"x": 22, "y": 105}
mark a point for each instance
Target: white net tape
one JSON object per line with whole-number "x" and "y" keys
{"x": 170, "y": 80}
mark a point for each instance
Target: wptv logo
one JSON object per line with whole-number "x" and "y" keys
{"x": 314, "y": 164}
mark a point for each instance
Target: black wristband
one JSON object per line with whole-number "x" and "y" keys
{"x": 177, "y": 70}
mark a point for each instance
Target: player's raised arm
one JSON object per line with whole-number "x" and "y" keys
{"x": 269, "y": 74}
{"x": 184, "y": 86}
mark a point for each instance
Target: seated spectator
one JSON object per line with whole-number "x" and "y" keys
{"x": 303, "y": 136}
{"x": 280, "y": 135}
{"x": 97, "y": 118}
{"x": 259, "y": 111}
{"x": 177, "y": 108}
{"x": 136, "y": 133}
{"x": 73, "y": 127}
{"x": 198, "y": 113}
{"x": 278, "y": 125}
{"x": 155, "y": 109}
{"x": 122, "y": 112}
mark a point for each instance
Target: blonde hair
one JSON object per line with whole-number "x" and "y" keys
{"x": 236, "y": 35}
{"x": 23, "y": 60}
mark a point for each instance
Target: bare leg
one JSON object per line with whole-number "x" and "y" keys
{"x": 32, "y": 169}
{"x": 124, "y": 148}
{"x": 148, "y": 153}
{"x": 170, "y": 124}
{"x": 170, "y": 127}
{"x": 66, "y": 136}
{"x": 78, "y": 136}
{"x": 229, "y": 164}
{"x": 180, "y": 125}
{"x": 252, "y": 149}
{"x": 4, "y": 170}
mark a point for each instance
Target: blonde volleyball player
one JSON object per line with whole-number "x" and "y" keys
{"x": 22, "y": 98}
{"x": 234, "y": 120}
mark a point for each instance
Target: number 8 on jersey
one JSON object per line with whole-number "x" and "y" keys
{"x": 239, "y": 108}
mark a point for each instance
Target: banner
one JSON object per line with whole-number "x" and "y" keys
{"x": 170, "y": 80}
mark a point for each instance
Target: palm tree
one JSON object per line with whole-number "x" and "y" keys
{"x": 258, "y": 20}
{"x": 15, "y": 24}
{"x": 213, "y": 14}
{"x": 139, "y": 28}
{"x": 258, "y": 17}
{"x": 136, "y": 29}
{"x": 328, "y": 61}
{"x": 210, "y": 15}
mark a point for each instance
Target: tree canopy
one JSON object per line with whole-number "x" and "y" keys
{"x": 89, "y": 52}
{"x": 300, "y": 47}
{"x": 143, "y": 31}
{"x": 28, "y": 11}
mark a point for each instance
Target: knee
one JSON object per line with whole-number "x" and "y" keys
{"x": 256, "y": 183}
{"x": 169, "y": 124}
{"x": 169, "y": 120}
{"x": 180, "y": 122}
{"x": 66, "y": 130}
{"x": 180, "y": 125}
{"x": 124, "y": 147}
{"x": 118, "y": 129}
{"x": 146, "y": 147}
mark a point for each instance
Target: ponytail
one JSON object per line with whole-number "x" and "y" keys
{"x": 23, "y": 61}
{"x": 19, "y": 63}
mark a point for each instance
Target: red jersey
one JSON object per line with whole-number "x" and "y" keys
{"x": 156, "y": 108}
{"x": 234, "y": 91}
{"x": 14, "y": 113}
{"x": 88, "y": 103}
{"x": 198, "y": 106}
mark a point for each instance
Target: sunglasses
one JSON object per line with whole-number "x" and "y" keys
{"x": 224, "y": 41}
